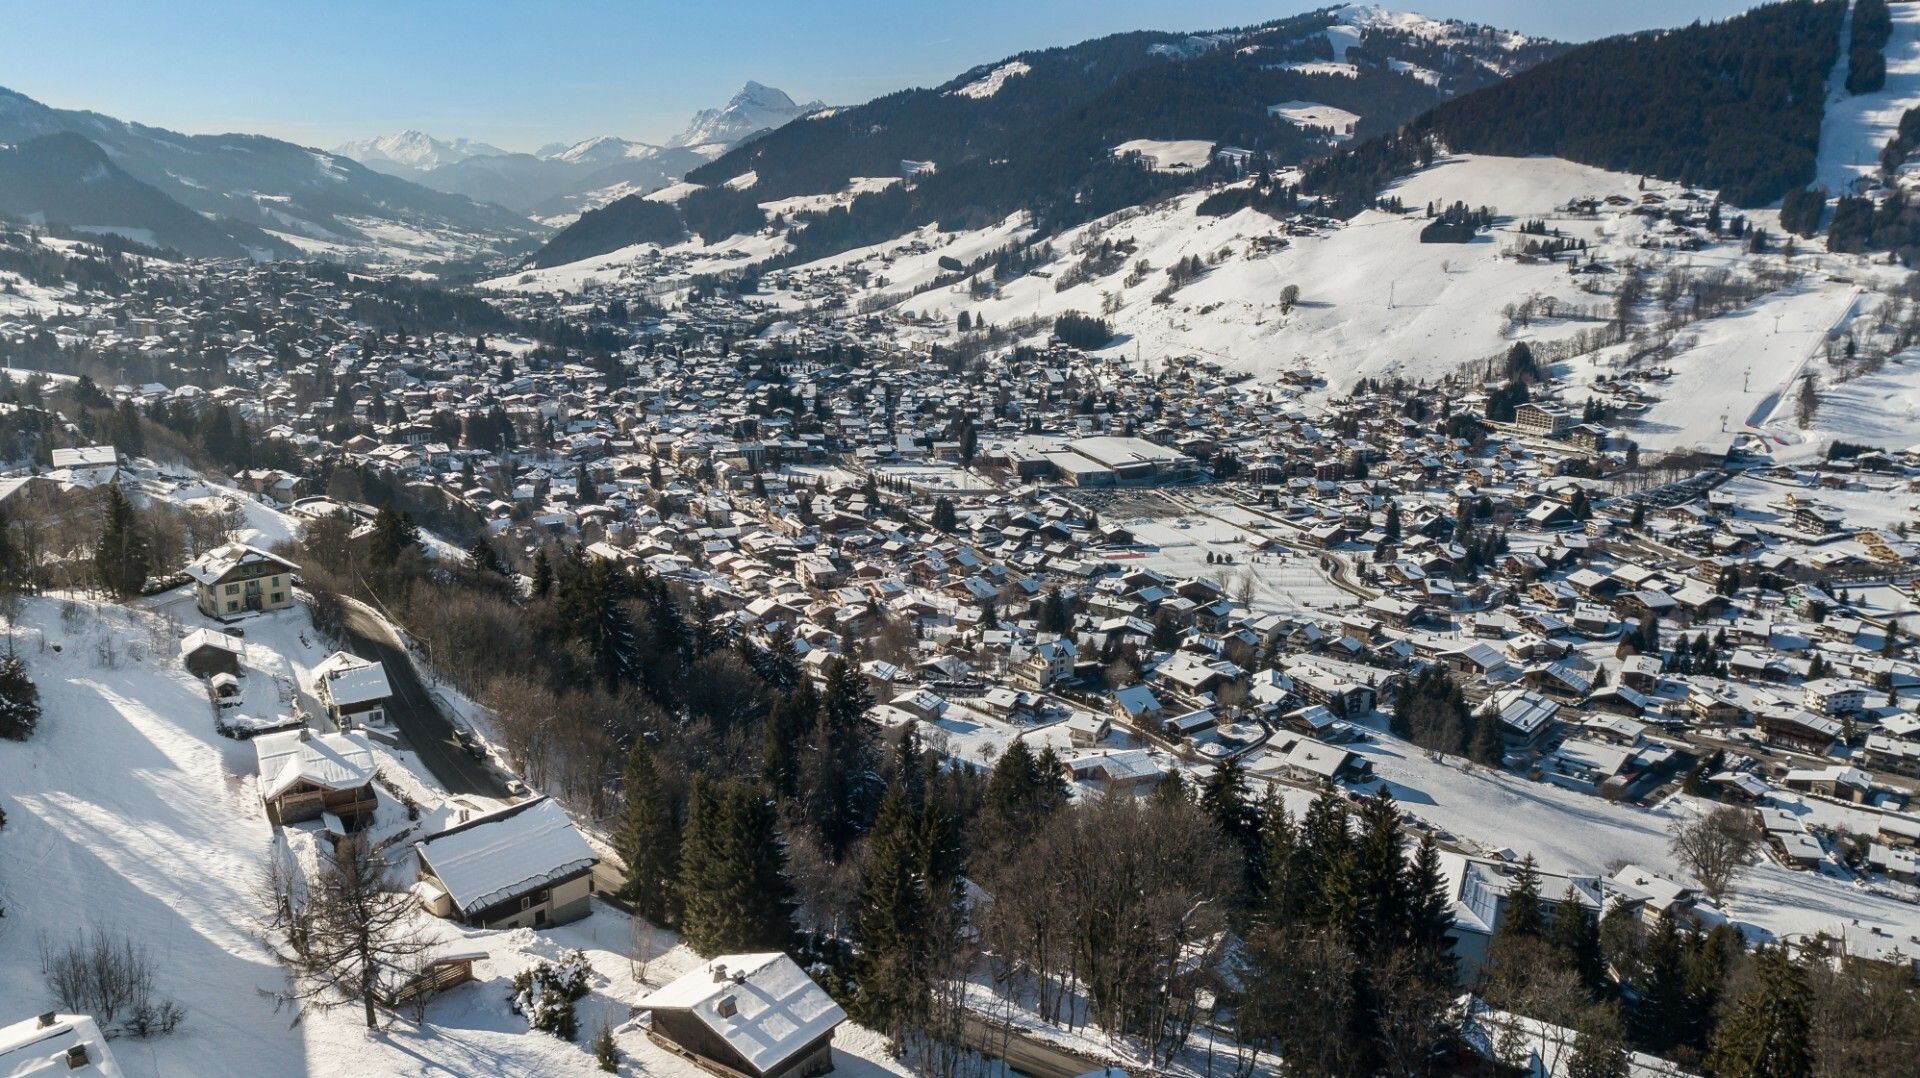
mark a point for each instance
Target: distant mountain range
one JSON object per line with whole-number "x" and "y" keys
{"x": 413, "y": 151}
{"x": 230, "y": 195}
{"x": 561, "y": 181}
{"x": 1038, "y": 131}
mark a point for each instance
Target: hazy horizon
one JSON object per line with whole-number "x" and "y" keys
{"x": 489, "y": 72}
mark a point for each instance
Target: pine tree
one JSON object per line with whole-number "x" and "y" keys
{"x": 944, "y": 518}
{"x": 583, "y": 491}
{"x": 891, "y": 969}
{"x": 1485, "y": 747}
{"x": 1599, "y": 1049}
{"x": 19, "y": 699}
{"x": 648, "y": 840}
{"x": 1768, "y": 1034}
{"x": 1381, "y": 919}
{"x": 733, "y": 888}
{"x": 542, "y": 582}
{"x": 1659, "y": 1012}
{"x": 482, "y": 558}
{"x": 129, "y": 437}
{"x": 121, "y": 558}
{"x": 16, "y": 574}
{"x": 1523, "y": 917}
{"x": 1430, "y": 911}
{"x": 836, "y": 771}
{"x": 779, "y": 750}
{"x": 1578, "y": 938}
{"x": 1281, "y": 855}
{"x": 394, "y": 534}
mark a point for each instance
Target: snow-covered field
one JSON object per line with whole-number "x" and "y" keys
{"x": 1314, "y": 114}
{"x": 1575, "y": 832}
{"x": 1178, "y": 545}
{"x": 1166, "y": 156}
{"x": 128, "y": 814}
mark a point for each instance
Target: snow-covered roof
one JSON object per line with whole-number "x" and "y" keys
{"x": 86, "y": 456}
{"x": 208, "y": 568}
{"x": 763, "y": 1005}
{"x": 348, "y": 679}
{"x": 200, "y": 638}
{"x": 333, "y": 761}
{"x": 491, "y": 858}
{"x": 29, "y": 1049}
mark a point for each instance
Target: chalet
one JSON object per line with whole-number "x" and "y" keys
{"x": 757, "y": 1015}
{"x": 1340, "y": 693}
{"x": 1838, "y": 782}
{"x": 1640, "y": 672}
{"x": 1476, "y": 660}
{"x": 305, "y": 776}
{"x": 237, "y": 579}
{"x": 1801, "y": 730}
{"x": 1046, "y": 663}
{"x": 55, "y": 1045}
{"x": 522, "y": 866}
{"x": 1114, "y": 772}
{"x": 1527, "y": 719}
{"x": 206, "y": 652}
{"x": 87, "y": 465}
{"x": 1191, "y": 723}
{"x": 352, "y": 689}
{"x": 1900, "y": 756}
{"x": 1308, "y": 760}
{"x": 1086, "y": 729}
{"x": 1138, "y": 705}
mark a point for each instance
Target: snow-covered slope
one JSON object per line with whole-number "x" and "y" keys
{"x": 1857, "y": 126}
{"x": 127, "y": 814}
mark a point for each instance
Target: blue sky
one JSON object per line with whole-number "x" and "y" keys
{"x": 523, "y": 74}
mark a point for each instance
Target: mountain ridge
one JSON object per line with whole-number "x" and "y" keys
{"x": 308, "y": 196}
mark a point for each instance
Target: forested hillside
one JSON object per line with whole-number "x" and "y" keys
{"x": 1734, "y": 105}
{"x": 1037, "y": 131}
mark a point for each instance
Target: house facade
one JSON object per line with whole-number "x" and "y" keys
{"x": 238, "y": 579}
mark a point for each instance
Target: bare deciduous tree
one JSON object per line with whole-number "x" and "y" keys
{"x": 109, "y": 977}
{"x": 1715, "y": 847}
{"x": 340, "y": 933}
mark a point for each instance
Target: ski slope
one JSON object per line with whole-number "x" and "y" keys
{"x": 1856, "y": 128}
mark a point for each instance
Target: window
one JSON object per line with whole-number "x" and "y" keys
{"x": 232, "y": 606}
{"x": 233, "y": 589}
{"x": 277, "y": 596}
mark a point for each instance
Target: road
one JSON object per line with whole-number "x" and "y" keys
{"x": 1023, "y": 1054}
{"x": 428, "y": 732}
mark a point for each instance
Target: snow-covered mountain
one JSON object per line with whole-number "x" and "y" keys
{"x": 561, "y": 180}
{"x": 754, "y": 109}
{"x": 266, "y": 195}
{"x": 1039, "y": 130}
{"x": 601, "y": 150}
{"x": 413, "y": 150}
